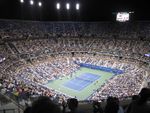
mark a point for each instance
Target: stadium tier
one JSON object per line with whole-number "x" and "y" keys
{"x": 44, "y": 58}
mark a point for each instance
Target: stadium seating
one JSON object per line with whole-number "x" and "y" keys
{"x": 37, "y": 52}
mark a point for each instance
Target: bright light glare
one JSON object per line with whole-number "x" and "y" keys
{"x": 77, "y": 6}
{"x": 58, "y": 6}
{"x": 122, "y": 16}
{"x": 31, "y": 2}
{"x": 67, "y": 6}
{"x": 40, "y": 4}
{"x": 22, "y": 1}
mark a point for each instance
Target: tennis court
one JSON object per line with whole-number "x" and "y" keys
{"x": 82, "y": 81}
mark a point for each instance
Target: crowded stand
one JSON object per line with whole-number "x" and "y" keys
{"x": 40, "y": 72}
{"x": 25, "y": 29}
{"x": 52, "y": 49}
{"x": 124, "y": 48}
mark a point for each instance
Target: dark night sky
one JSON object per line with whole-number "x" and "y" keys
{"x": 91, "y": 10}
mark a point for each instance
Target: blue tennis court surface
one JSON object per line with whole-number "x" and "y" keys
{"x": 82, "y": 81}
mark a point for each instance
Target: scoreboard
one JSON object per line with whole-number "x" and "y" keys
{"x": 122, "y": 16}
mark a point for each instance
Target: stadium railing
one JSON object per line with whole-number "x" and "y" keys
{"x": 12, "y": 98}
{"x": 8, "y": 111}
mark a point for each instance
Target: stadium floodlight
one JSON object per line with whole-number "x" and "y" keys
{"x": 58, "y": 6}
{"x": 22, "y": 1}
{"x": 31, "y": 2}
{"x": 77, "y": 6}
{"x": 40, "y": 4}
{"x": 67, "y": 6}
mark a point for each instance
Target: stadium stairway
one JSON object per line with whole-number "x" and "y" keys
{"x": 12, "y": 47}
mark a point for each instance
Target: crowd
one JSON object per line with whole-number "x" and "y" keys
{"x": 27, "y": 29}
{"x": 50, "y": 69}
{"x": 137, "y": 105}
{"x": 123, "y": 48}
{"x": 46, "y": 69}
{"x": 122, "y": 86}
{"x": 52, "y": 49}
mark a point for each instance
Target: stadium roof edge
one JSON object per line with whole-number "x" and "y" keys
{"x": 55, "y": 21}
{"x": 17, "y": 20}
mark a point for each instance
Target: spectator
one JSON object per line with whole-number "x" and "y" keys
{"x": 44, "y": 105}
{"x": 112, "y": 106}
{"x": 73, "y": 106}
{"x": 134, "y": 98}
{"x": 97, "y": 107}
{"x": 140, "y": 105}
{"x": 27, "y": 110}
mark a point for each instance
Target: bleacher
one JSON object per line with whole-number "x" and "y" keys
{"x": 25, "y": 45}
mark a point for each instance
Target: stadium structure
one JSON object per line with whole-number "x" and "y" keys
{"x": 87, "y": 60}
